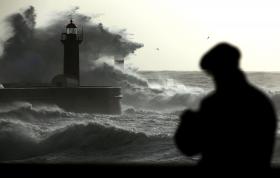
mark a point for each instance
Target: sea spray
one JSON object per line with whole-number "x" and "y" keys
{"x": 35, "y": 54}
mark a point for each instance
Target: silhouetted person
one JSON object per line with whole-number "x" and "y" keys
{"x": 235, "y": 125}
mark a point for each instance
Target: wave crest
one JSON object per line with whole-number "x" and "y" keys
{"x": 22, "y": 140}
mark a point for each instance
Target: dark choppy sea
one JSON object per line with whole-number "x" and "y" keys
{"x": 142, "y": 133}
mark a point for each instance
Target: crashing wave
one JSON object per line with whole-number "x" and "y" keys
{"x": 21, "y": 140}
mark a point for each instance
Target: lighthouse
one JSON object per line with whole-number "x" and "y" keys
{"x": 65, "y": 90}
{"x": 71, "y": 39}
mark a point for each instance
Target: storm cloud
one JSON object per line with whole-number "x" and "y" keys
{"x": 34, "y": 54}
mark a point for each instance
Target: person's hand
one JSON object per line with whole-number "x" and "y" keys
{"x": 187, "y": 136}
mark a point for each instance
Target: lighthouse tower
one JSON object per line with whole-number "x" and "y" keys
{"x": 71, "y": 40}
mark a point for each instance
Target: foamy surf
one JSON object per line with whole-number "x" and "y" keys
{"x": 142, "y": 133}
{"x": 52, "y": 135}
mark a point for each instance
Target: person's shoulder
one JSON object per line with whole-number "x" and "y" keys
{"x": 257, "y": 94}
{"x": 209, "y": 98}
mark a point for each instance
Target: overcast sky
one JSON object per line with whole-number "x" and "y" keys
{"x": 176, "y": 33}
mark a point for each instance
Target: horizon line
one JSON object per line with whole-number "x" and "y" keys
{"x": 249, "y": 71}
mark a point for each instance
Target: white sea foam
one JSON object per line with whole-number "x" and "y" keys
{"x": 144, "y": 132}
{"x": 96, "y": 137}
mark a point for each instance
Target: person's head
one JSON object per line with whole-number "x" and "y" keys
{"x": 221, "y": 60}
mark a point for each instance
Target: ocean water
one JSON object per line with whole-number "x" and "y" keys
{"x": 143, "y": 133}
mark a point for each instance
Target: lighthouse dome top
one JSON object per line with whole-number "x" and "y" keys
{"x": 71, "y": 25}
{"x": 71, "y": 28}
